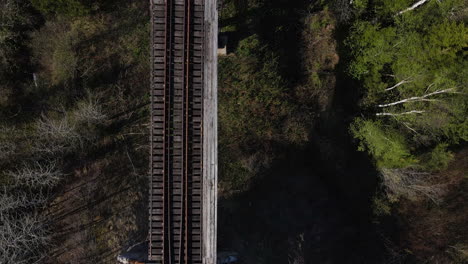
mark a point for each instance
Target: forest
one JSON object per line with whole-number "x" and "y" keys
{"x": 342, "y": 130}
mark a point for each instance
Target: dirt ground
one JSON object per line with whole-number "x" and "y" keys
{"x": 100, "y": 211}
{"x": 439, "y": 233}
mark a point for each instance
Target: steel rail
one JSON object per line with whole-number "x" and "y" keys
{"x": 167, "y": 248}
{"x": 187, "y": 105}
{"x": 184, "y": 145}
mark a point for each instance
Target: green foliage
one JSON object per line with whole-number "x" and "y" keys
{"x": 234, "y": 177}
{"x": 446, "y": 38}
{"x": 249, "y": 46}
{"x": 432, "y": 12}
{"x": 78, "y": 50}
{"x": 385, "y": 8}
{"x": 64, "y": 62}
{"x": 70, "y": 8}
{"x": 371, "y": 48}
{"x": 459, "y": 253}
{"x": 255, "y": 111}
{"x": 135, "y": 46}
{"x": 360, "y": 4}
{"x": 51, "y": 125}
{"x": 381, "y": 206}
{"x": 439, "y": 158}
{"x": 16, "y": 21}
{"x": 387, "y": 146}
{"x": 252, "y": 98}
{"x": 420, "y": 55}
{"x": 319, "y": 22}
{"x": 228, "y": 11}
{"x": 55, "y": 48}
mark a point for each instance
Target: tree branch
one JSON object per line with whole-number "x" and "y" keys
{"x": 398, "y": 84}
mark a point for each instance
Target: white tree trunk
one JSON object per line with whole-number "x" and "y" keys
{"x": 414, "y": 6}
{"x": 398, "y": 84}
{"x": 417, "y": 98}
{"x": 399, "y": 114}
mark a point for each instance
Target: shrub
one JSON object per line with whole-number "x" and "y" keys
{"x": 344, "y": 9}
{"x": 6, "y": 93}
{"x": 56, "y": 135}
{"x": 89, "y": 111}
{"x": 63, "y": 7}
{"x": 8, "y": 145}
{"x": 64, "y": 62}
{"x": 15, "y": 23}
{"x": 14, "y": 20}
{"x": 459, "y": 253}
{"x": 439, "y": 158}
{"x": 88, "y": 118}
{"x": 381, "y": 206}
{"x": 54, "y": 48}
{"x": 56, "y": 129}
{"x": 249, "y": 46}
{"x": 253, "y": 101}
{"x": 411, "y": 184}
{"x": 233, "y": 177}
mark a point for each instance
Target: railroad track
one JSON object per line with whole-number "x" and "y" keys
{"x": 175, "y": 199}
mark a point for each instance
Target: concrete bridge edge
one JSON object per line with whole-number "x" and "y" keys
{"x": 210, "y": 134}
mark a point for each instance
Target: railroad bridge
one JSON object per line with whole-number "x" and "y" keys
{"x": 183, "y": 157}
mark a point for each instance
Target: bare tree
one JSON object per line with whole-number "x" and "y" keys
{"x": 58, "y": 129}
{"x": 22, "y": 239}
{"x": 411, "y": 184}
{"x": 56, "y": 135}
{"x": 37, "y": 175}
{"x": 90, "y": 111}
{"x": 11, "y": 200}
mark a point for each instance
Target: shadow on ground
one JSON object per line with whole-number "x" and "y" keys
{"x": 314, "y": 204}
{"x": 294, "y": 212}
{"x": 101, "y": 210}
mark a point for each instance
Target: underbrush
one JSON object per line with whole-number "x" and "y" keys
{"x": 82, "y": 98}
{"x": 437, "y": 231}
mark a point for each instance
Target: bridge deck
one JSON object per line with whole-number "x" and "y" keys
{"x": 180, "y": 183}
